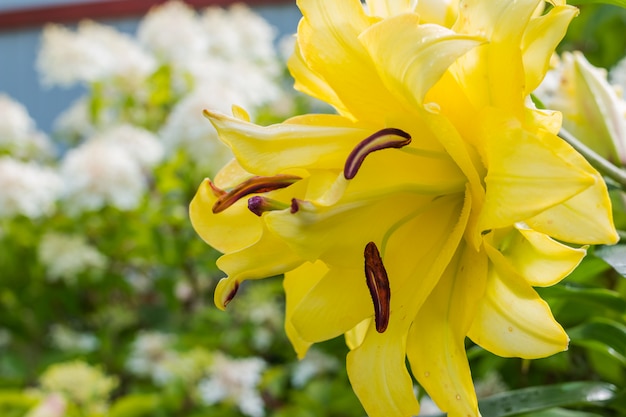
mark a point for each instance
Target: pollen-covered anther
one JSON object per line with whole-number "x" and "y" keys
{"x": 378, "y": 285}
{"x": 383, "y": 139}
{"x": 253, "y": 185}
{"x": 260, "y": 204}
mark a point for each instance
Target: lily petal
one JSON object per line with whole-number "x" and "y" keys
{"x": 297, "y": 284}
{"x": 321, "y": 141}
{"x": 541, "y": 260}
{"x": 336, "y": 304}
{"x": 512, "y": 320}
{"x": 231, "y": 230}
{"x": 327, "y": 36}
{"x": 436, "y": 342}
{"x": 268, "y": 257}
{"x": 413, "y": 57}
{"x": 521, "y": 167}
{"x": 388, "y": 8}
{"x": 540, "y": 40}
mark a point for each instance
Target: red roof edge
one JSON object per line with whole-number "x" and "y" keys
{"x": 104, "y": 9}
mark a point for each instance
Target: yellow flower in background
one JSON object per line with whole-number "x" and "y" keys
{"x": 425, "y": 210}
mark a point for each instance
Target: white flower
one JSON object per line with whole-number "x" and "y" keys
{"x": 75, "y": 121}
{"x": 617, "y": 75}
{"x": 53, "y": 405}
{"x": 27, "y": 188}
{"x": 139, "y": 143}
{"x": 239, "y": 32}
{"x": 94, "y": 52}
{"x": 81, "y": 383}
{"x": 67, "y": 339}
{"x": 234, "y": 380}
{"x": 67, "y": 256}
{"x": 148, "y": 352}
{"x": 98, "y": 173}
{"x": 314, "y": 363}
{"x": 186, "y": 128}
{"x": 18, "y": 134}
{"x": 173, "y": 33}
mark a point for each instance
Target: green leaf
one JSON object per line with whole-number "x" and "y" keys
{"x": 614, "y": 256}
{"x": 621, "y": 3}
{"x": 539, "y": 398}
{"x": 559, "y": 412}
{"x": 602, "y": 335}
{"x": 598, "y": 297}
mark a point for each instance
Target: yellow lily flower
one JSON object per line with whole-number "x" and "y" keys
{"x": 425, "y": 210}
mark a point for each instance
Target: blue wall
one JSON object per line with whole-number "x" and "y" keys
{"x": 18, "y": 53}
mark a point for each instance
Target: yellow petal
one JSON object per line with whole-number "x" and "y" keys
{"x": 336, "y": 304}
{"x": 231, "y": 230}
{"x": 387, "y": 8}
{"x": 355, "y": 336}
{"x": 512, "y": 320}
{"x": 377, "y": 367}
{"x": 436, "y": 342}
{"x": 379, "y": 377}
{"x": 320, "y": 141}
{"x": 311, "y": 83}
{"x": 586, "y": 218}
{"x": 327, "y": 38}
{"x": 411, "y": 57}
{"x": 297, "y": 284}
{"x": 338, "y": 234}
{"x": 541, "y": 260}
{"x": 267, "y": 257}
{"x": 521, "y": 167}
{"x": 541, "y": 39}
{"x": 493, "y": 74}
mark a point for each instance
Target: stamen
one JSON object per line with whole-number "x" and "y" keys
{"x": 259, "y": 205}
{"x": 231, "y": 294}
{"x": 383, "y": 139}
{"x": 252, "y": 186}
{"x": 378, "y": 284}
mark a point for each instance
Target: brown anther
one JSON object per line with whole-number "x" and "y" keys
{"x": 378, "y": 284}
{"x": 383, "y": 139}
{"x": 253, "y": 185}
{"x": 231, "y": 294}
{"x": 259, "y": 205}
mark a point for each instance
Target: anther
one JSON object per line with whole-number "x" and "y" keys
{"x": 378, "y": 285}
{"x": 259, "y": 205}
{"x": 383, "y": 139}
{"x": 231, "y": 294}
{"x": 252, "y": 186}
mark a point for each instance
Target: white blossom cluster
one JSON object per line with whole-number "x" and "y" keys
{"x": 67, "y": 256}
{"x": 94, "y": 52}
{"x": 27, "y": 188}
{"x": 110, "y": 169}
{"x": 149, "y": 351}
{"x": 18, "y": 135}
{"x": 217, "y": 57}
{"x": 69, "y": 340}
{"x": 235, "y": 381}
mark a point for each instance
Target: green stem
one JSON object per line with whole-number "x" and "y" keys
{"x": 598, "y": 162}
